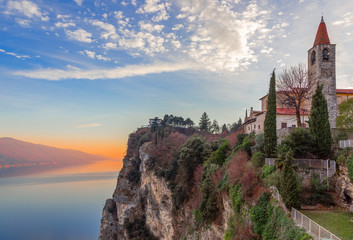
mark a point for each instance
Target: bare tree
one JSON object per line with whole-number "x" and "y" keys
{"x": 294, "y": 88}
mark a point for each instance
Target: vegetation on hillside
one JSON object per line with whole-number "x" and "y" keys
{"x": 270, "y": 120}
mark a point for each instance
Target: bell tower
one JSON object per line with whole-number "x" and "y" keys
{"x": 322, "y": 69}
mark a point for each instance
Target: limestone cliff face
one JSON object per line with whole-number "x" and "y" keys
{"x": 151, "y": 200}
{"x": 342, "y": 183}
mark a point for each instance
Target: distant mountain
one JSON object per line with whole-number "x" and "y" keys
{"x": 14, "y": 153}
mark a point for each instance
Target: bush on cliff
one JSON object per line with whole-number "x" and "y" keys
{"x": 220, "y": 155}
{"x": 258, "y": 159}
{"x": 350, "y": 167}
{"x": 194, "y": 152}
{"x": 300, "y": 141}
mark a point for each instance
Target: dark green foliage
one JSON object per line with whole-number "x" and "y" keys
{"x": 208, "y": 208}
{"x": 267, "y": 170}
{"x": 273, "y": 179}
{"x": 179, "y": 122}
{"x": 194, "y": 152}
{"x": 205, "y": 123}
{"x": 318, "y": 193}
{"x": 215, "y": 127}
{"x": 279, "y": 226}
{"x": 319, "y": 124}
{"x": 350, "y": 167}
{"x": 134, "y": 174}
{"x": 281, "y": 153}
{"x": 138, "y": 230}
{"x": 258, "y": 159}
{"x": 300, "y": 141}
{"x": 240, "y": 138}
{"x": 270, "y": 134}
{"x": 345, "y": 116}
{"x": 259, "y": 215}
{"x": 290, "y": 184}
{"x": 220, "y": 155}
{"x": 340, "y": 136}
{"x": 224, "y": 128}
{"x": 236, "y": 197}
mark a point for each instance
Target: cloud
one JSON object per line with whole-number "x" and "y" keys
{"x": 89, "y": 125}
{"x": 156, "y": 7}
{"x": 109, "y": 32}
{"x": 114, "y": 73}
{"x": 14, "y": 54}
{"x": 64, "y": 25}
{"x": 93, "y": 55}
{"x": 79, "y": 35}
{"x": 27, "y": 8}
{"x": 78, "y": 2}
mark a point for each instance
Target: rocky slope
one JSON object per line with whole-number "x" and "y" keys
{"x": 151, "y": 201}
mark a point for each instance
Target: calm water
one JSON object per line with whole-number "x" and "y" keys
{"x": 57, "y": 205}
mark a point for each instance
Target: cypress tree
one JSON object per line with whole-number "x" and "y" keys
{"x": 290, "y": 186}
{"x": 205, "y": 122}
{"x": 270, "y": 134}
{"x": 319, "y": 125}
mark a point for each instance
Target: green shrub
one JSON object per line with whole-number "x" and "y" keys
{"x": 219, "y": 156}
{"x": 240, "y": 138}
{"x": 147, "y": 137}
{"x": 208, "y": 207}
{"x": 341, "y": 160}
{"x": 319, "y": 194}
{"x": 267, "y": 170}
{"x": 350, "y": 167}
{"x": 300, "y": 141}
{"x": 273, "y": 179}
{"x": 223, "y": 183}
{"x": 258, "y": 159}
{"x": 259, "y": 143}
{"x": 280, "y": 227}
{"x": 290, "y": 183}
{"x": 259, "y": 215}
{"x": 340, "y": 136}
{"x": 236, "y": 197}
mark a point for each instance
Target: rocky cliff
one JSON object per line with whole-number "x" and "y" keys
{"x": 180, "y": 185}
{"x": 151, "y": 201}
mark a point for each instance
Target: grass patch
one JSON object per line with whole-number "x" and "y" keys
{"x": 337, "y": 221}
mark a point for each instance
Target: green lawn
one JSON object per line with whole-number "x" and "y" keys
{"x": 337, "y": 221}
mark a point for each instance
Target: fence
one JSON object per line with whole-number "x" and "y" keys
{"x": 346, "y": 143}
{"x": 329, "y": 165}
{"x": 312, "y": 227}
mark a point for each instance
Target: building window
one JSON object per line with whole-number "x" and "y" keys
{"x": 293, "y": 126}
{"x": 325, "y": 55}
{"x": 259, "y": 126}
{"x": 255, "y": 126}
{"x": 313, "y": 57}
{"x": 249, "y": 128}
{"x": 284, "y": 125}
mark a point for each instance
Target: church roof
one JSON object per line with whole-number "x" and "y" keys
{"x": 344, "y": 91}
{"x": 321, "y": 35}
{"x": 291, "y": 111}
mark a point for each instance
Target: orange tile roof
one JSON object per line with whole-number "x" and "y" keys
{"x": 344, "y": 91}
{"x": 321, "y": 35}
{"x": 291, "y": 111}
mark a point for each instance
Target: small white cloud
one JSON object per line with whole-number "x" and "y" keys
{"x": 23, "y": 22}
{"x": 15, "y": 54}
{"x": 109, "y": 30}
{"x": 133, "y": 2}
{"x": 89, "y": 53}
{"x": 150, "y": 27}
{"x": 177, "y": 27}
{"x": 110, "y": 46}
{"x": 79, "y": 35}
{"x": 64, "y": 25}
{"x": 60, "y": 16}
{"x": 78, "y": 2}
{"x": 89, "y": 125}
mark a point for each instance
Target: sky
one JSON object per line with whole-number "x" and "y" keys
{"x": 83, "y": 74}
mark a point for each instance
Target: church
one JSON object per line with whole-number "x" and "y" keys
{"x": 321, "y": 69}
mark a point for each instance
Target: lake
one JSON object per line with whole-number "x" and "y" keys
{"x": 57, "y": 204}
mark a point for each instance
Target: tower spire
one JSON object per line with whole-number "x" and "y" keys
{"x": 321, "y": 35}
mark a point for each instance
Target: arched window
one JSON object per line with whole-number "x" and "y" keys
{"x": 313, "y": 57}
{"x": 325, "y": 55}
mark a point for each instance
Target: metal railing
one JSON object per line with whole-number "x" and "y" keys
{"x": 329, "y": 165}
{"x": 346, "y": 143}
{"x": 313, "y": 228}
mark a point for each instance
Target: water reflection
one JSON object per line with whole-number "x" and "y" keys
{"x": 57, "y": 204}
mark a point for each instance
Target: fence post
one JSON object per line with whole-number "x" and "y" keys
{"x": 301, "y": 222}
{"x": 319, "y": 232}
{"x": 310, "y": 226}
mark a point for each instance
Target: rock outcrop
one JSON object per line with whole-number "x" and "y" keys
{"x": 151, "y": 200}
{"x": 342, "y": 184}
